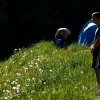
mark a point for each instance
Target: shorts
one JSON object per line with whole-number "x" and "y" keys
{"x": 96, "y": 60}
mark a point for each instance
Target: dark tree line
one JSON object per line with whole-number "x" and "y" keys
{"x": 23, "y": 22}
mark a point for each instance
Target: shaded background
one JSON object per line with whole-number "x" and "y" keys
{"x": 24, "y": 22}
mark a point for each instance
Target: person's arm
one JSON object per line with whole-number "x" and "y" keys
{"x": 96, "y": 44}
{"x": 97, "y": 41}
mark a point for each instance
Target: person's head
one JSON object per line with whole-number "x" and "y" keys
{"x": 96, "y": 17}
{"x": 64, "y": 32}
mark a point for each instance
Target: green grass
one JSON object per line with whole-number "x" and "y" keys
{"x": 45, "y": 72}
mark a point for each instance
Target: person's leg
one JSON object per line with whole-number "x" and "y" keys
{"x": 97, "y": 71}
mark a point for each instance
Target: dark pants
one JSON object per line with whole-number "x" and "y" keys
{"x": 96, "y": 60}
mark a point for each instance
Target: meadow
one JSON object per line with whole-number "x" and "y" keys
{"x": 46, "y": 72}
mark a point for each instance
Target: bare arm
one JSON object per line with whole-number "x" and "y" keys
{"x": 96, "y": 44}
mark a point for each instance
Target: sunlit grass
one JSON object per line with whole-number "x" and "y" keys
{"x": 45, "y": 72}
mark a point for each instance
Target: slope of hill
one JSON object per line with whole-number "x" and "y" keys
{"x": 45, "y": 72}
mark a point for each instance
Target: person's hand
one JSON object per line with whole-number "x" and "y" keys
{"x": 92, "y": 48}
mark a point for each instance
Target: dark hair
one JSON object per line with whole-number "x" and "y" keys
{"x": 96, "y": 15}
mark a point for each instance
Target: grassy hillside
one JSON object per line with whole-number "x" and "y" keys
{"x": 45, "y": 72}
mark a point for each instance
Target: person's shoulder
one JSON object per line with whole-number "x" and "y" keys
{"x": 98, "y": 31}
{"x": 98, "y": 26}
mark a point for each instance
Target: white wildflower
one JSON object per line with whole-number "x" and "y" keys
{"x": 13, "y": 62}
{"x": 36, "y": 64}
{"x": 19, "y": 49}
{"x": 18, "y": 88}
{"x": 84, "y": 87}
{"x": 7, "y": 91}
{"x": 6, "y": 98}
{"x": 26, "y": 85}
{"x": 44, "y": 82}
{"x": 28, "y": 79}
{"x": 81, "y": 72}
{"x": 25, "y": 68}
{"x": 32, "y": 61}
{"x": 33, "y": 91}
{"x": 44, "y": 92}
{"x": 16, "y": 79}
{"x": 31, "y": 51}
{"x": 18, "y": 85}
{"x": 15, "y": 49}
{"x": 6, "y": 66}
{"x": 18, "y": 74}
{"x": 5, "y": 84}
{"x": 38, "y": 59}
{"x": 14, "y": 88}
{"x": 31, "y": 65}
{"x": 8, "y": 80}
{"x": 50, "y": 70}
{"x": 40, "y": 69}
{"x": 4, "y": 90}
{"x": 33, "y": 79}
{"x": 13, "y": 82}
